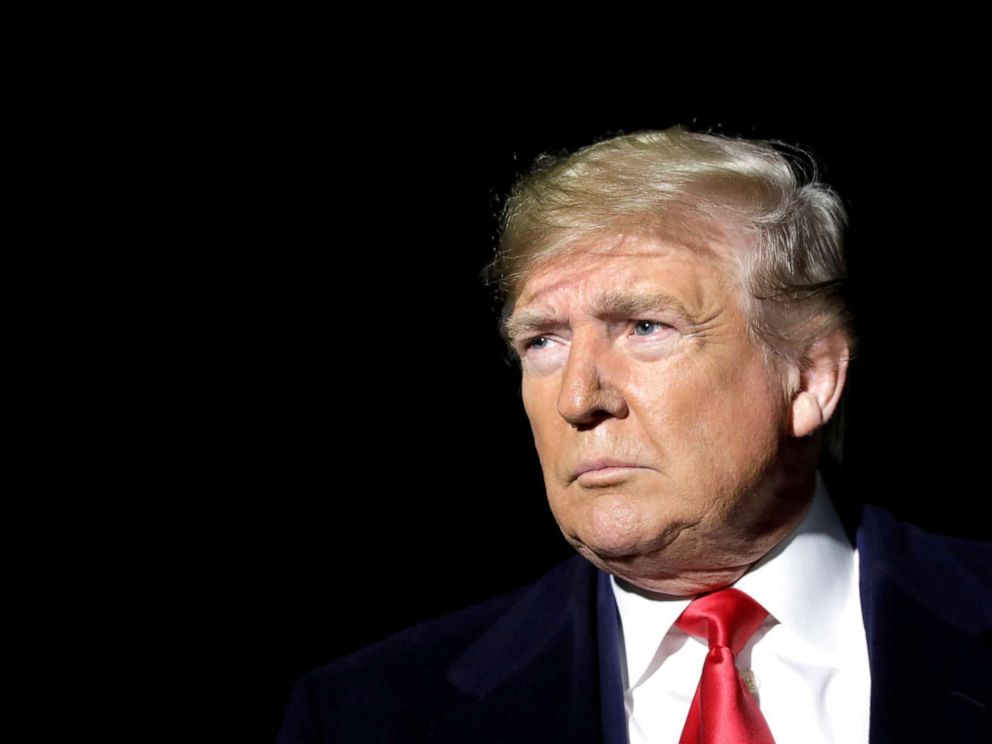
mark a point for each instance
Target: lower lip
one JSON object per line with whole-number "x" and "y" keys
{"x": 604, "y": 476}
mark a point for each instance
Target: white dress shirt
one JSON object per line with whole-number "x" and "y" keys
{"x": 809, "y": 660}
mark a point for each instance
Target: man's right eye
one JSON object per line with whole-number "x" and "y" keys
{"x": 532, "y": 342}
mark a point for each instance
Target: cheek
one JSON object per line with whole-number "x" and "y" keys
{"x": 754, "y": 400}
{"x": 541, "y": 413}
{"x": 743, "y": 422}
{"x": 673, "y": 405}
{"x": 705, "y": 418}
{"x": 534, "y": 398}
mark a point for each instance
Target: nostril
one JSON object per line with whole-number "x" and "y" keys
{"x": 592, "y": 407}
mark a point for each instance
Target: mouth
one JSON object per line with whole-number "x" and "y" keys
{"x": 604, "y": 470}
{"x": 600, "y": 463}
{"x": 607, "y": 476}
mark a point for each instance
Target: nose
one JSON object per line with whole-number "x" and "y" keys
{"x": 589, "y": 385}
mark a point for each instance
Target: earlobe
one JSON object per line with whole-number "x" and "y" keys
{"x": 820, "y": 384}
{"x": 807, "y": 415}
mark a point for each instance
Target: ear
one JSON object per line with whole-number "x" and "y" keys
{"x": 818, "y": 385}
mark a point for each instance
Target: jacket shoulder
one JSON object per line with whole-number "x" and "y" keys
{"x": 950, "y": 575}
{"x": 392, "y": 690}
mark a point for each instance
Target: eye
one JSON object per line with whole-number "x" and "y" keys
{"x": 640, "y": 324}
{"x": 533, "y": 342}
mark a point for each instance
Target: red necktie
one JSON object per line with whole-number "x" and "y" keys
{"x": 723, "y": 710}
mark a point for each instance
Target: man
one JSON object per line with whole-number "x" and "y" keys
{"x": 675, "y": 300}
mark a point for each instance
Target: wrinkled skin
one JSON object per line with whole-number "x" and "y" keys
{"x": 723, "y": 469}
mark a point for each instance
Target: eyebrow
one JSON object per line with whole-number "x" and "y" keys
{"x": 609, "y": 304}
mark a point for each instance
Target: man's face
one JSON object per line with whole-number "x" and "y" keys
{"x": 642, "y": 357}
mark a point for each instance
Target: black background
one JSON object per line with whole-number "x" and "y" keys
{"x": 350, "y": 447}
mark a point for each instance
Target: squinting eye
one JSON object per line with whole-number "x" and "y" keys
{"x": 642, "y": 323}
{"x": 532, "y": 342}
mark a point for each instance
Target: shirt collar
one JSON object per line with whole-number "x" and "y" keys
{"x": 806, "y": 581}
{"x": 803, "y": 582}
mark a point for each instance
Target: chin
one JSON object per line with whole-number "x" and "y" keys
{"x": 612, "y": 524}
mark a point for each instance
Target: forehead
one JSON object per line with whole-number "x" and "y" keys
{"x": 632, "y": 264}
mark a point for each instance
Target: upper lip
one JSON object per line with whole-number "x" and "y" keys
{"x": 602, "y": 462}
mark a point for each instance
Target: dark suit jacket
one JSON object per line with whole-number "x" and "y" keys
{"x": 542, "y": 664}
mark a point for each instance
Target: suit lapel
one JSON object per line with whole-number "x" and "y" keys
{"x": 534, "y": 675}
{"x": 612, "y": 712}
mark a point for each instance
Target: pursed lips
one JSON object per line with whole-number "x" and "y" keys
{"x": 600, "y": 463}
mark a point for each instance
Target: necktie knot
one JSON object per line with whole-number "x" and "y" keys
{"x": 726, "y": 618}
